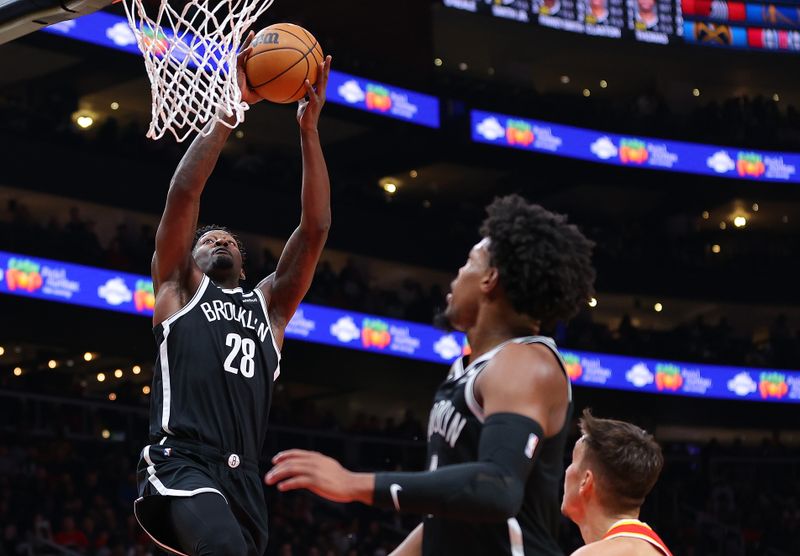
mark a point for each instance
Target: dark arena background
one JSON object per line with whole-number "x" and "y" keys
{"x": 676, "y": 148}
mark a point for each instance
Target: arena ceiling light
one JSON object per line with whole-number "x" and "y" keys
{"x": 389, "y": 184}
{"x": 740, "y": 221}
{"x": 85, "y": 121}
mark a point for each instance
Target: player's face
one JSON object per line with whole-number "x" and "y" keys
{"x": 217, "y": 254}
{"x": 574, "y": 476}
{"x": 465, "y": 290}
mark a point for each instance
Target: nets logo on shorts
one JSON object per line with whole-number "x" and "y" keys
{"x": 23, "y": 274}
{"x": 668, "y": 377}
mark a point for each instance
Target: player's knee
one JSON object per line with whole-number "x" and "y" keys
{"x": 222, "y": 542}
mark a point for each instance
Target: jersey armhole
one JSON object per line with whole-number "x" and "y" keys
{"x": 469, "y": 387}
{"x": 201, "y": 289}
{"x": 260, "y": 296}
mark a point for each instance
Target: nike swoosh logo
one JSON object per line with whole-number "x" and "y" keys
{"x": 394, "y": 489}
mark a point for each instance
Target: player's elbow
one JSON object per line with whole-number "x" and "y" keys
{"x": 317, "y": 228}
{"x": 498, "y": 498}
{"x": 507, "y": 503}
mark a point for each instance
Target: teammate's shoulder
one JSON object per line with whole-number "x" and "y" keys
{"x": 536, "y": 357}
{"x": 618, "y": 546}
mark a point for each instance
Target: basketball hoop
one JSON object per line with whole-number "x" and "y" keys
{"x": 190, "y": 56}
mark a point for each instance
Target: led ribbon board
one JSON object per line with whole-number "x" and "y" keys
{"x": 49, "y": 280}
{"x": 112, "y": 31}
{"x": 754, "y": 25}
{"x": 633, "y": 151}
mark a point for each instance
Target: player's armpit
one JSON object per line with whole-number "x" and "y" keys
{"x": 491, "y": 489}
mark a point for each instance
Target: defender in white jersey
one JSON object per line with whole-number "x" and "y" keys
{"x": 219, "y": 352}
{"x": 498, "y": 426}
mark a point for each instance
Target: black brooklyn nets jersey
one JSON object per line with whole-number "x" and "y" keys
{"x": 454, "y": 431}
{"x": 216, "y": 365}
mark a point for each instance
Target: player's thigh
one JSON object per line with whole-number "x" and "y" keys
{"x": 204, "y": 525}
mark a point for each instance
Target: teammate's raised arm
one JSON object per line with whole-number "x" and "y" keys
{"x": 288, "y": 285}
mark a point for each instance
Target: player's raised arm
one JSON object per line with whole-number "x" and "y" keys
{"x": 172, "y": 260}
{"x": 292, "y": 278}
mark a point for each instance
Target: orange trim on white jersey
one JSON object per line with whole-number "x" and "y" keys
{"x": 635, "y": 529}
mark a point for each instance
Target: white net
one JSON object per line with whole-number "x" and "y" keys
{"x": 190, "y": 55}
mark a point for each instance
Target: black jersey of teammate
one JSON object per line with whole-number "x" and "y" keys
{"x": 454, "y": 431}
{"x": 216, "y": 365}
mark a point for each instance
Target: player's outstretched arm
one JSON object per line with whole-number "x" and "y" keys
{"x": 172, "y": 260}
{"x": 524, "y": 397}
{"x": 412, "y": 545}
{"x": 288, "y": 285}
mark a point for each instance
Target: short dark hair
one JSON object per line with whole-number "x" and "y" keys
{"x": 626, "y": 459}
{"x": 200, "y": 232}
{"x": 544, "y": 262}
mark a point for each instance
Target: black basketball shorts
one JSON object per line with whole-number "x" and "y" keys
{"x": 179, "y": 468}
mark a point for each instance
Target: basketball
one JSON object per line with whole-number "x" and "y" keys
{"x": 283, "y": 57}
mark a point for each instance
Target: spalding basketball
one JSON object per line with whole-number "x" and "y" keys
{"x": 283, "y": 57}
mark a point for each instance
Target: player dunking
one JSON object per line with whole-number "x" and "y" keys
{"x": 219, "y": 353}
{"x": 498, "y": 426}
{"x": 614, "y": 467}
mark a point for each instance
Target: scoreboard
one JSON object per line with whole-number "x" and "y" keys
{"x": 754, "y": 25}
{"x": 657, "y": 21}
